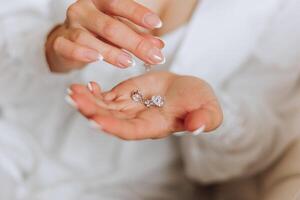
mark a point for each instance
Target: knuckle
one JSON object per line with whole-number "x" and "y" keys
{"x": 77, "y": 35}
{"x": 134, "y": 11}
{"x": 57, "y": 44}
{"x": 73, "y": 11}
{"x": 112, "y": 5}
{"x": 110, "y": 28}
{"x": 74, "y": 52}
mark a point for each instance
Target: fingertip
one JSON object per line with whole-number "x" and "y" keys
{"x": 96, "y": 86}
{"x": 78, "y": 88}
{"x": 69, "y": 100}
{"x": 124, "y": 60}
{"x": 90, "y": 87}
{"x": 211, "y": 119}
{"x": 159, "y": 43}
{"x": 152, "y": 20}
{"x": 195, "y": 120}
{"x": 95, "y": 89}
{"x": 84, "y": 105}
{"x": 199, "y": 130}
{"x": 69, "y": 91}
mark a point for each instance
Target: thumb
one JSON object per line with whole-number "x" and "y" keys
{"x": 207, "y": 118}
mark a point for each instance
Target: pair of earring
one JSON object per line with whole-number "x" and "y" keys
{"x": 157, "y": 101}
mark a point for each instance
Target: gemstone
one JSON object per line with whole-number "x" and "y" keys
{"x": 158, "y": 101}
{"x": 137, "y": 96}
{"x": 148, "y": 103}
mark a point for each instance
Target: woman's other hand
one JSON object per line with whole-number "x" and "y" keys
{"x": 190, "y": 105}
{"x": 101, "y": 30}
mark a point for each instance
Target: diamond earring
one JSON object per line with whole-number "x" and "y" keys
{"x": 157, "y": 101}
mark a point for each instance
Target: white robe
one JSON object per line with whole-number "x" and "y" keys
{"x": 248, "y": 50}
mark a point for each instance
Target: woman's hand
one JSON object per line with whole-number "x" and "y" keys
{"x": 101, "y": 29}
{"x": 190, "y": 104}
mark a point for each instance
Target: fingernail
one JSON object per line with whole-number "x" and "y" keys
{"x": 125, "y": 60}
{"x": 70, "y": 101}
{"x": 91, "y": 56}
{"x": 90, "y": 87}
{"x": 156, "y": 57}
{"x": 199, "y": 131}
{"x": 161, "y": 40}
{"x": 95, "y": 125}
{"x": 69, "y": 91}
{"x": 180, "y": 134}
{"x": 153, "y": 20}
{"x": 100, "y": 57}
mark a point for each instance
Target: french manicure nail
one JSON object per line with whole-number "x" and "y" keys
{"x": 125, "y": 60}
{"x": 100, "y": 57}
{"x": 95, "y": 125}
{"x": 69, "y": 91}
{"x": 180, "y": 134}
{"x": 161, "y": 40}
{"x": 156, "y": 56}
{"x": 70, "y": 101}
{"x": 153, "y": 20}
{"x": 199, "y": 131}
{"x": 90, "y": 87}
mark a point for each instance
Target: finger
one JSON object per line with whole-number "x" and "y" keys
{"x": 110, "y": 96}
{"x": 73, "y": 51}
{"x": 207, "y": 118}
{"x": 95, "y": 89}
{"x": 122, "y": 128}
{"x": 83, "y": 91}
{"x": 159, "y": 43}
{"x": 122, "y": 36}
{"x": 109, "y": 53}
{"x": 149, "y": 125}
{"x": 126, "y": 106}
{"x": 84, "y": 105}
{"x": 88, "y": 106}
{"x": 79, "y": 88}
{"x": 118, "y": 105}
{"x": 132, "y": 11}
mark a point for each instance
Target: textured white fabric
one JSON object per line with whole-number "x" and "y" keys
{"x": 249, "y": 51}
{"x": 246, "y": 49}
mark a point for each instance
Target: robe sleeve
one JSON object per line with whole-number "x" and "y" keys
{"x": 261, "y": 106}
{"x": 24, "y": 29}
{"x": 259, "y": 124}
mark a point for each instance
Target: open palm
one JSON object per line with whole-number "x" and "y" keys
{"x": 189, "y": 104}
